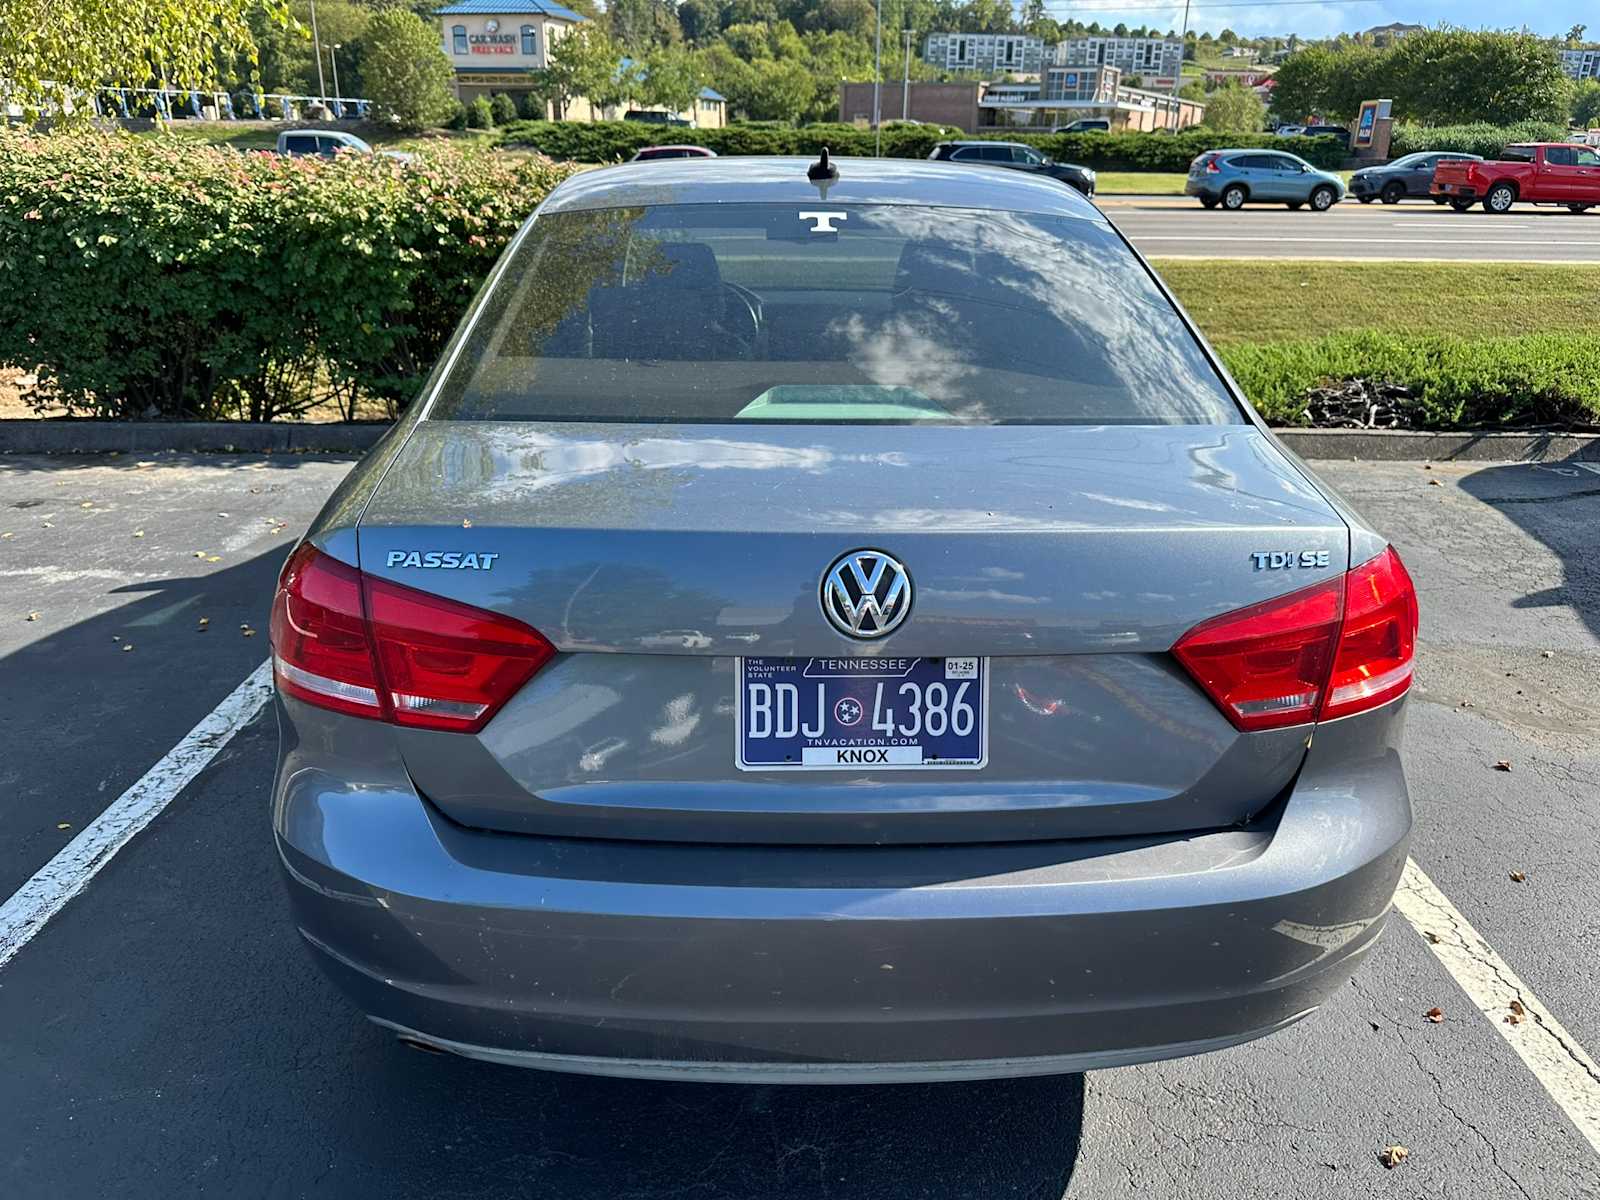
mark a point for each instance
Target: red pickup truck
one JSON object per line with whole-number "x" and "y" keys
{"x": 1536, "y": 172}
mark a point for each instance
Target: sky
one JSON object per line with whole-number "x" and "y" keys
{"x": 1551, "y": 17}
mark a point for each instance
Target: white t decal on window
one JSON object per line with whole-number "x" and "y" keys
{"x": 824, "y": 220}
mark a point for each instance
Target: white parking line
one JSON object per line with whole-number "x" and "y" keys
{"x": 1545, "y": 1047}
{"x": 69, "y": 872}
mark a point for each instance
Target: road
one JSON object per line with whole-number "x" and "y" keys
{"x": 165, "y": 1034}
{"x": 1173, "y": 227}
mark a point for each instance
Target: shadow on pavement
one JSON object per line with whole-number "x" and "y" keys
{"x": 1556, "y": 503}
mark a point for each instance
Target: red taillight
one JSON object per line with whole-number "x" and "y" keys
{"x": 1325, "y": 651}
{"x": 1266, "y": 665}
{"x": 365, "y": 646}
{"x": 320, "y": 651}
{"x": 1379, "y": 639}
{"x": 1212, "y": 167}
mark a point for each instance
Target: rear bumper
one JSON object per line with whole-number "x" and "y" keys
{"x": 1455, "y": 191}
{"x": 824, "y": 964}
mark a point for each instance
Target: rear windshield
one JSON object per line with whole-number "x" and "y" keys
{"x": 829, "y": 313}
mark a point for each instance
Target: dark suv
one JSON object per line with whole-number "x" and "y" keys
{"x": 1016, "y": 156}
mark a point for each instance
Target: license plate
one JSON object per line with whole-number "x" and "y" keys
{"x": 854, "y": 714}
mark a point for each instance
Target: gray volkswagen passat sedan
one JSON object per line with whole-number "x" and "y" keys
{"x": 838, "y": 628}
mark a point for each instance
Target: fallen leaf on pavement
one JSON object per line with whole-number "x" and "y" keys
{"x": 33, "y": 616}
{"x": 465, "y": 524}
{"x": 138, "y": 533}
{"x": 87, "y": 504}
{"x": 6, "y": 535}
{"x": 1519, "y": 877}
{"x": 213, "y": 558}
{"x": 199, "y": 553}
{"x": 1433, "y": 938}
{"x": 1434, "y": 483}
{"x": 63, "y": 824}
{"x": 1392, "y": 1156}
{"x": 1503, "y": 765}
{"x": 1517, "y": 1009}
{"x": 1435, "y": 1014}
{"x": 204, "y": 621}
{"x": 127, "y": 647}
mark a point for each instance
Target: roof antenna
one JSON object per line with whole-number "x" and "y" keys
{"x": 823, "y": 171}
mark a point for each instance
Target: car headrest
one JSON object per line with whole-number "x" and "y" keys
{"x": 934, "y": 267}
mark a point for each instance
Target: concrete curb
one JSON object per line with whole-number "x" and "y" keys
{"x": 148, "y": 437}
{"x": 289, "y": 437}
{"x": 1406, "y": 445}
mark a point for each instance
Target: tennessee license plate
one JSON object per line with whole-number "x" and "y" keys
{"x": 853, "y": 714}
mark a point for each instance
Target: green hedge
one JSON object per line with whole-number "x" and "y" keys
{"x": 1539, "y": 379}
{"x": 166, "y": 277}
{"x": 613, "y": 141}
{"x": 1482, "y": 139}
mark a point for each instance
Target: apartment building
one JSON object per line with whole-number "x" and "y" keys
{"x": 1582, "y": 64}
{"x": 1156, "y": 61}
{"x": 986, "y": 52}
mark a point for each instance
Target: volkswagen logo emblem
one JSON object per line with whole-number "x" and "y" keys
{"x": 866, "y": 594}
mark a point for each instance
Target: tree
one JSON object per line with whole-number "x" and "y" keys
{"x": 670, "y": 79}
{"x": 408, "y": 77}
{"x": 54, "y": 50}
{"x": 1235, "y": 109}
{"x": 1575, "y": 35}
{"x": 584, "y": 61}
{"x": 700, "y": 20}
{"x": 1586, "y": 104}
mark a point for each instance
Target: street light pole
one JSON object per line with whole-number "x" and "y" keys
{"x": 316, "y": 46}
{"x": 905, "y": 86}
{"x": 1183, "y": 44}
{"x": 877, "y": 87}
{"x": 333, "y": 57}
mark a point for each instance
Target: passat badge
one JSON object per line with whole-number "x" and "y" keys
{"x": 449, "y": 560}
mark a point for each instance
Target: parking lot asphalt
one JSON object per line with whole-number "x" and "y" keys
{"x": 1177, "y": 227}
{"x": 165, "y": 1034}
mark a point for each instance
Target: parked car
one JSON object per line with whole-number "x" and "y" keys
{"x": 649, "y": 117}
{"x": 656, "y": 702}
{"x": 1407, "y": 176}
{"x": 325, "y": 143}
{"x": 1088, "y": 125}
{"x": 1289, "y": 130}
{"x": 1338, "y": 132}
{"x": 1016, "y": 156}
{"x": 651, "y": 153}
{"x": 1234, "y": 178}
{"x": 1532, "y": 173}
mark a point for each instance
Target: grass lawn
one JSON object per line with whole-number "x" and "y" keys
{"x": 1139, "y": 183}
{"x": 1256, "y": 301}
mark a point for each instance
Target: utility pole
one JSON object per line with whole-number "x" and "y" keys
{"x": 905, "y": 87}
{"x": 316, "y": 47}
{"x": 1183, "y": 44}
{"x": 333, "y": 57}
{"x": 877, "y": 87}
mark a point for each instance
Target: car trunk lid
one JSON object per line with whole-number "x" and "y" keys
{"x": 1069, "y": 558}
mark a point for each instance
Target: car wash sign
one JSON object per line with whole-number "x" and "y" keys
{"x": 491, "y": 40}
